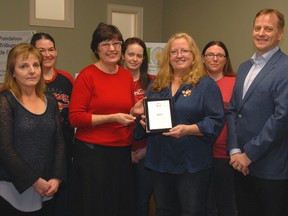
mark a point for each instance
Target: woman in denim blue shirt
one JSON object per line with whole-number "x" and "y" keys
{"x": 181, "y": 159}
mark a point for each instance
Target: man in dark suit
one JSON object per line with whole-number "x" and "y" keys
{"x": 258, "y": 123}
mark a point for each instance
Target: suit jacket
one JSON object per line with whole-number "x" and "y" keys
{"x": 258, "y": 123}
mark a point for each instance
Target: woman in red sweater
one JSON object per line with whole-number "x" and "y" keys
{"x": 101, "y": 99}
{"x": 221, "y": 199}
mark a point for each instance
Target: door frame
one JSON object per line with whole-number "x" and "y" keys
{"x": 136, "y": 11}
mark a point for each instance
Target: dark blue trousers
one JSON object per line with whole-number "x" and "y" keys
{"x": 260, "y": 197}
{"x": 181, "y": 194}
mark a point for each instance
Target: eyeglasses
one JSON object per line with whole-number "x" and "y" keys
{"x": 212, "y": 55}
{"x": 107, "y": 45}
{"x": 182, "y": 51}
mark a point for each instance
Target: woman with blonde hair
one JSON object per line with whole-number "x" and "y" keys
{"x": 181, "y": 158}
{"x": 32, "y": 148}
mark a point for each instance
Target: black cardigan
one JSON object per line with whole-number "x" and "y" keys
{"x": 31, "y": 146}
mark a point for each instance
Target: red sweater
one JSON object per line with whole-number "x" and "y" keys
{"x": 96, "y": 92}
{"x": 226, "y": 85}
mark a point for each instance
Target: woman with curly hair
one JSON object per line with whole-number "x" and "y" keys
{"x": 181, "y": 159}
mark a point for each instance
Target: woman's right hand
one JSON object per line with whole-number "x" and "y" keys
{"x": 143, "y": 121}
{"x": 41, "y": 186}
{"x": 124, "y": 119}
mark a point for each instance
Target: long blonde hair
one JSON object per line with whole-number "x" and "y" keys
{"x": 24, "y": 50}
{"x": 166, "y": 74}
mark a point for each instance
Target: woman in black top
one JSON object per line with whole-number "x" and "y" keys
{"x": 32, "y": 150}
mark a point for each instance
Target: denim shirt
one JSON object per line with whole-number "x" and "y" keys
{"x": 191, "y": 153}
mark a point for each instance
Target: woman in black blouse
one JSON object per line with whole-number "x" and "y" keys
{"x": 32, "y": 154}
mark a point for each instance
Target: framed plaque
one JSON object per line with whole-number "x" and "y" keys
{"x": 159, "y": 114}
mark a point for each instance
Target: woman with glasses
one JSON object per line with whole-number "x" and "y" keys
{"x": 135, "y": 59}
{"x": 59, "y": 83}
{"x": 102, "y": 98}
{"x": 221, "y": 200}
{"x": 181, "y": 158}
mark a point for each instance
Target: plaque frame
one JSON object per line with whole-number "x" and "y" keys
{"x": 166, "y": 118}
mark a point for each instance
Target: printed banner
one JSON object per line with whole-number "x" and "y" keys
{"x": 9, "y": 39}
{"x": 154, "y": 54}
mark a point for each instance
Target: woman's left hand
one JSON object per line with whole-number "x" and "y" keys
{"x": 183, "y": 130}
{"x": 177, "y": 131}
{"x": 138, "y": 155}
{"x": 138, "y": 108}
{"x": 54, "y": 183}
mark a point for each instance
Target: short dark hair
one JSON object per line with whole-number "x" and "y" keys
{"x": 104, "y": 32}
{"x": 280, "y": 16}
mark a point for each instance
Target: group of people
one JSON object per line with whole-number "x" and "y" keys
{"x": 226, "y": 155}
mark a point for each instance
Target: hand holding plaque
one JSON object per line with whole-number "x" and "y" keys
{"x": 159, "y": 114}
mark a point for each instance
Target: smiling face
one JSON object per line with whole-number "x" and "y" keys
{"x": 133, "y": 57}
{"x": 214, "y": 59}
{"x": 181, "y": 58}
{"x": 27, "y": 71}
{"x": 266, "y": 33}
{"x": 48, "y": 51}
{"x": 109, "y": 51}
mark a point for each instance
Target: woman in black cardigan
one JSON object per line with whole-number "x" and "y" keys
{"x": 32, "y": 150}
